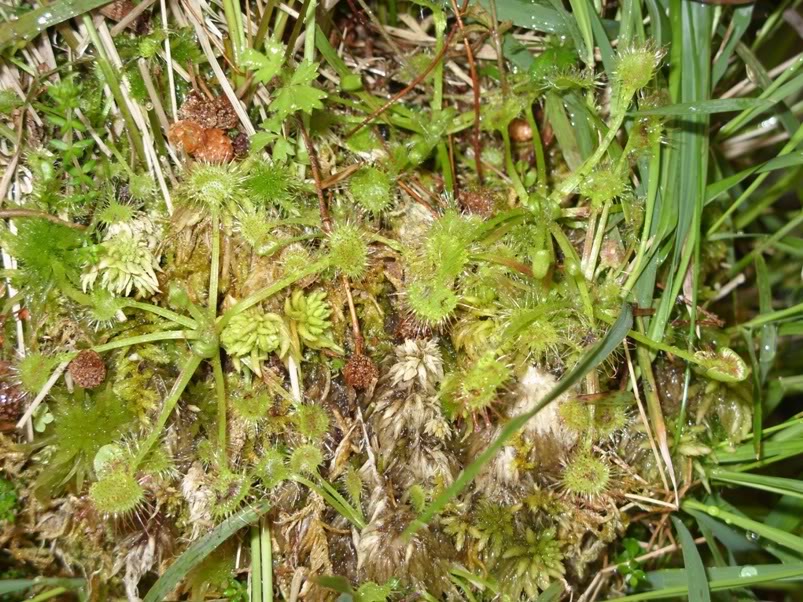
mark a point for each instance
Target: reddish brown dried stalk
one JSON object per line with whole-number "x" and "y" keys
{"x": 475, "y": 88}
{"x": 326, "y": 224}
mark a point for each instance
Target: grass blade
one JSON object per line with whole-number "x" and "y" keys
{"x": 673, "y": 583}
{"x": 32, "y": 23}
{"x": 695, "y": 571}
{"x": 782, "y": 538}
{"x": 708, "y": 107}
{"x": 202, "y": 548}
{"x": 590, "y": 360}
{"x": 783, "y": 486}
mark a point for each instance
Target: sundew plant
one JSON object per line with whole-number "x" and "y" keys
{"x": 384, "y": 300}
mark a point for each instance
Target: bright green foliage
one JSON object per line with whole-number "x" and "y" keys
{"x": 311, "y": 421}
{"x": 48, "y": 255}
{"x": 297, "y": 93}
{"x": 370, "y": 187}
{"x": 310, "y": 317}
{"x": 116, "y": 493}
{"x": 82, "y": 426}
{"x": 8, "y": 501}
{"x": 348, "y": 250}
{"x": 271, "y": 185}
{"x": 305, "y": 459}
{"x": 533, "y": 564}
{"x": 33, "y": 371}
{"x": 265, "y": 66}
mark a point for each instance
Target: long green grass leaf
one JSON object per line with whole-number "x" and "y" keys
{"x": 698, "y": 581}
{"x": 782, "y": 538}
{"x": 783, "y": 486}
{"x": 588, "y": 362}
{"x": 707, "y": 107}
{"x": 674, "y": 583}
{"x": 32, "y": 23}
{"x": 11, "y": 586}
{"x": 202, "y": 548}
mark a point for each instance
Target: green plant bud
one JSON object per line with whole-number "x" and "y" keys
{"x": 305, "y": 459}
{"x": 272, "y": 468}
{"x": 116, "y": 493}
{"x": 352, "y": 483}
{"x": 311, "y": 421}
{"x": 636, "y": 66}
{"x": 575, "y": 416}
{"x": 431, "y": 303}
{"x": 479, "y": 386}
{"x": 541, "y": 261}
{"x": 724, "y": 365}
{"x": 371, "y": 189}
{"x": 213, "y": 186}
{"x": 230, "y": 492}
{"x": 252, "y": 406}
{"x": 254, "y": 331}
{"x": 311, "y": 316}
{"x": 348, "y": 250}
{"x": 604, "y": 185}
{"x": 351, "y": 83}
{"x": 586, "y": 475}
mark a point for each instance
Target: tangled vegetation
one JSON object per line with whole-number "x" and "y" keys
{"x": 400, "y": 299}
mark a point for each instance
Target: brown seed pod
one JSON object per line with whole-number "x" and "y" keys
{"x": 408, "y": 328}
{"x": 360, "y": 371}
{"x": 479, "y": 202}
{"x": 217, "y": 149}
{"x": 225, "y": 117}
{"x": 187, "y": 135}
{"x": 520, "y": 131}
{"x": 200, "y": 109}
{"x": 241, "y": 144}
{"x": 87, "y": 369}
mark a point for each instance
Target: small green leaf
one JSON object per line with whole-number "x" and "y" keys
{"x": 265, "y": 66}
{"x": 698, "y": 581}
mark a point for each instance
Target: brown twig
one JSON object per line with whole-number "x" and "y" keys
{"x": 326, "y": 219}
{"x": 417, "y": 197}
{"x": 326, "y": 225}
{"x": 15, "y": 213}
{"x": 475, "y": 88}
{"x": 407, "y": 89}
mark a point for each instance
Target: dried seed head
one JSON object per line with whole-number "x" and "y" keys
{"x": 360, "y": 371}
{"x": 240, "y": 145}
{"x": 217, "y": 148}
{"x": 200, "y": 109}
{"x": 88, "y": 369}
{"x": 187, "y": 135}
{"x": 478, "y": 202}
{"x": 520, "y": 130}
